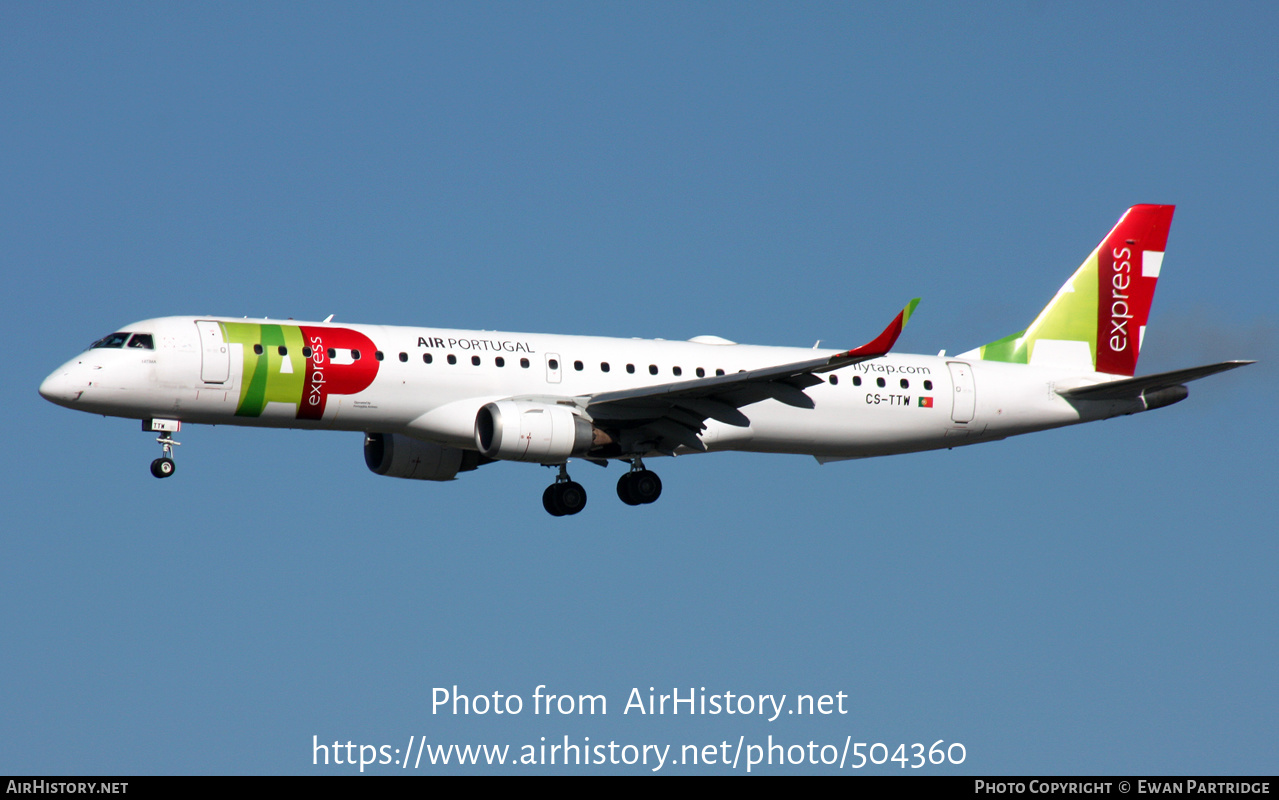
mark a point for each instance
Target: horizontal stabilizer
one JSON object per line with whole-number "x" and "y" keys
{"x": 1136, "y": 387}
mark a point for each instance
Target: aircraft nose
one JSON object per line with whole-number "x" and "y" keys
{"x": 60, "y": 387}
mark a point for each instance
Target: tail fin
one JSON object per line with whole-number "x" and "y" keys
{"x": 1097, "y": 320}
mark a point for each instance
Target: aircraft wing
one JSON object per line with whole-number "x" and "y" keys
{"x": 1135, "y": 387}
{"x": 670, "y": 414}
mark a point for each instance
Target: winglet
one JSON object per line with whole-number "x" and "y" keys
{"x": 882, "y": 343}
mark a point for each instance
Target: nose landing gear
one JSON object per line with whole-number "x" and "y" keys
{"x": 565, "y": 497}
{"x": 163, "y": 467}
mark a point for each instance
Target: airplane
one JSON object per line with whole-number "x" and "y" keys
{"x": 433, "y": 403}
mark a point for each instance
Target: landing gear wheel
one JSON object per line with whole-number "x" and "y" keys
{"x": 571, "y": 497}
{"x": 564, "y": 499}
{"x": 162, "y": 467}
{"x": 639, "y": 487}
{"x": 645, "y": 486}
{"x": 626, "y": 489}
{"x": 549, "y": 501}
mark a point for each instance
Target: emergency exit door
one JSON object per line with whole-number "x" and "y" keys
{"x": 964, "y": 392}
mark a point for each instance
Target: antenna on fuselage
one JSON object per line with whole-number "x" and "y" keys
{"x": 329, "y": 318}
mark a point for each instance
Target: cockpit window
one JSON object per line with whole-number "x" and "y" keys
{"x": 143, "y": 341}
{"x": 114, "y": 340}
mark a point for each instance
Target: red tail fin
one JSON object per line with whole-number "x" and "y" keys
{"x": 1128, "y": 263}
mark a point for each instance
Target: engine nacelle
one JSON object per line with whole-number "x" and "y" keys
{"x": 522, "y": 430}
{"x": 398, "y": 456}
{"x": 1164, "y": 397}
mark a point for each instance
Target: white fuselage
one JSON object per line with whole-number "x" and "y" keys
{"x": 429, "y": 384}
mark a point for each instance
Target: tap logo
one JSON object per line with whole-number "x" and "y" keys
{"x": 300, "y": 365}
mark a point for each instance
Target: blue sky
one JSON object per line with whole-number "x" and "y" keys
{"x": 1091, "y": 600}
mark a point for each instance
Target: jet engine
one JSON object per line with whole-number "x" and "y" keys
{"x": 523, "y": 430}
{"x": 1166, "y": 396}
{"x": 399, "y": 456}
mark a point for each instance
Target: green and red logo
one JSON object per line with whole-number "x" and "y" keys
{"x": 299, "y": 365}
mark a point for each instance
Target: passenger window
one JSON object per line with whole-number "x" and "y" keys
{"x": 834, "y": 379}
{"x": 355, "y": 355}
{"x": 905, "y": 383}
{"x": 427, "y": 358}
{"x": 257, "y": 349}
{"x": 142, "y": 341}
{"x": 475, "y": 361}
{"x": 603, "y": 366}
{"x": 577, "y": 365}
{"x": 501, "y": 362}
{"x": 306, "y": 352}
{"x": 630, "y": 369}
{"x": 719, "y": 373}
{"x": 404, "y": 358}
{"x": 928, "y": 385}
{"x": 652, "y": 369}
{"x": 282, "y": 350}
{"x": 332, "y": 354}
{"x": 377, "y": 354}
{"x": 677, "y": 370}
{"x": 524, "y": 363}
{"x": 452, "y": 359}
{"x": 114, "y": 340}
{"x": 880, "y": 383}
{"x": 701, "y": 373}
{"x": 857, "y": 380}
{"x": 553, "y": 364}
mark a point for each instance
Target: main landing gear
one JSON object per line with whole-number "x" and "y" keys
{"x": 163, "y": 467}
{"x": 639, "y": 486}
{"x": 564, "y": 497}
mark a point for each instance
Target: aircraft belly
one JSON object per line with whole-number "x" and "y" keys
{"x": 847, "y": 429}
